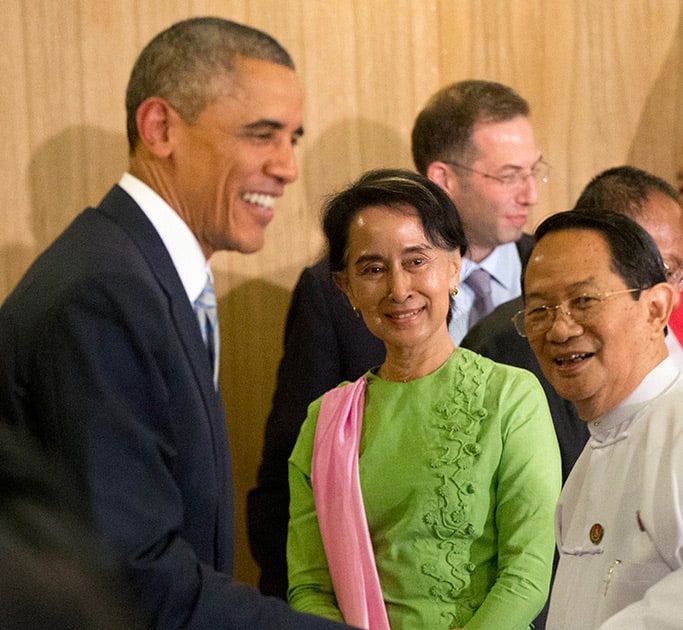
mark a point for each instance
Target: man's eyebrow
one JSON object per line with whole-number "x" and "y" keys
{"x": 580, "y": 285}
{"x": 517, "y": 167}
{"x": 267, "y": 123}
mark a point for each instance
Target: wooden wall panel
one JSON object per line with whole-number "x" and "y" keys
{"x": 603, "y": 78}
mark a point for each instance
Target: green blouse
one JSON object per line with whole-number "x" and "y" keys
{"x": 460, "y": 473}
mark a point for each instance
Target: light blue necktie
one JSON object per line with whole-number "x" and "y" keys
{"x": 207, "y": 316}
{"x": 480, "y": 282}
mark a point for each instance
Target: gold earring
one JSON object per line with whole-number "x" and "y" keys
{"x": 356, "y": 311}
{"x": 454, "y": 292}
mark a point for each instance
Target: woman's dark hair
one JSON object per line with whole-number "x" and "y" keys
{"x": 396, "y": 188}
{"x": 634, "y": 256}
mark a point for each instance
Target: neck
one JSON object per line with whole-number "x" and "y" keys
{"x": 404, "y": 364}
{"x": 477, "y": 253}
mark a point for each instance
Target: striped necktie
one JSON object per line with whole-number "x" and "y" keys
{"x": 207, "y": 316}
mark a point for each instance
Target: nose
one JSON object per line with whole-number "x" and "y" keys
{"x": 282, "y": 164}
{"x": 399, "y": 285}
{"x": 528, "y": 193}
{"x": 563, "y": 326}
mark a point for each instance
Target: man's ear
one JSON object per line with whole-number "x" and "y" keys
{"x": 661, "y": 299}
{"x": 154, "y": 118}
{"x": 442, "y": 175}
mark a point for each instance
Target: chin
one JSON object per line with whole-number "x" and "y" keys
{"x": 573, "y": 392}
{"x": 250, "y": 248}
{"x": 249, "y": 244}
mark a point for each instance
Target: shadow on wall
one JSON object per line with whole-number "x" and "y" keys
{"x": 66, "y": 173}
{"x": 659, "y": 136}
{"x": 251, "y": 320}
{"x": 344, "y": 150}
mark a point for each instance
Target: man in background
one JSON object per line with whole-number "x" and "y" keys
{"x": 474, "y": 139}
{"x": 676, "y": 319}
{"x": 109, "y": 344}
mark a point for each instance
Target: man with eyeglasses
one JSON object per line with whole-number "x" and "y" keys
{"x": 651, "y": 202}
{"x": 597, "y": 303}
{"x": 475, "y": 140}
{"x": 633, "y": 192}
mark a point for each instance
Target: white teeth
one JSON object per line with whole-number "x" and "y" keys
{"x": 266, "y": 201}
{"x": 575, "y": 358}
{"x": 404, "y": 315}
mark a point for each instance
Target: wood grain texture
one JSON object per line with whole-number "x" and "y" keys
{"x": 603, "y": 77}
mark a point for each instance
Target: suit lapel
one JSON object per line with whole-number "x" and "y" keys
{"x": 119, "y": 207}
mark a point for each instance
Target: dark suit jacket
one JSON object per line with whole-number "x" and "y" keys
{"x": 102, "y": 359}
{"x": 325, "y": 344}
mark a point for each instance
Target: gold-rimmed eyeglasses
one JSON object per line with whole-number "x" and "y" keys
{"x": 582, "y": 309}
{"x": 516, "y": 178}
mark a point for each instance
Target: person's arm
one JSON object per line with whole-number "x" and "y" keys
{"x": 111, "y": 378}
{"x": 310, "y": 584}
{"x": 528, "y": 484}
{"x": 661, "y": 519}
{"x": 660, "y": 607}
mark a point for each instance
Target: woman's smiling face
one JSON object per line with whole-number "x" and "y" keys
{"x": 396, "y": 278}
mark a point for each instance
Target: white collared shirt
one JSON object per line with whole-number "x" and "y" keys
{"x": 181, "y": 243}
{"x": 619, "y": 520}
{"x": 505, "y": 268}
{"x": 675, "y": 349}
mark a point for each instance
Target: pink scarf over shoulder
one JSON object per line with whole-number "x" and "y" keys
{"x": 340, "y": 509}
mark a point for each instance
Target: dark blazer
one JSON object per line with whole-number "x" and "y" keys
{"x": 524, "y": 245}
{"x": 325, "y": 343}
{"x": 102, "y": 359}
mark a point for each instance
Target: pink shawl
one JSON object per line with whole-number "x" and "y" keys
{"x": 340, "y": 509}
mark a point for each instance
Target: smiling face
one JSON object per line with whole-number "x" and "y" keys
{"x": 229, "y": 167}
{"x": 493, "y": 213}
{"x": 398, "y": 280}
{"x": 592, "y": 365}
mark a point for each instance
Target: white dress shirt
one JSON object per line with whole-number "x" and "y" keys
{"x": 183, "y": 247}
{"x": 505, "y": 268}
{"x": 675, "y": 350}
